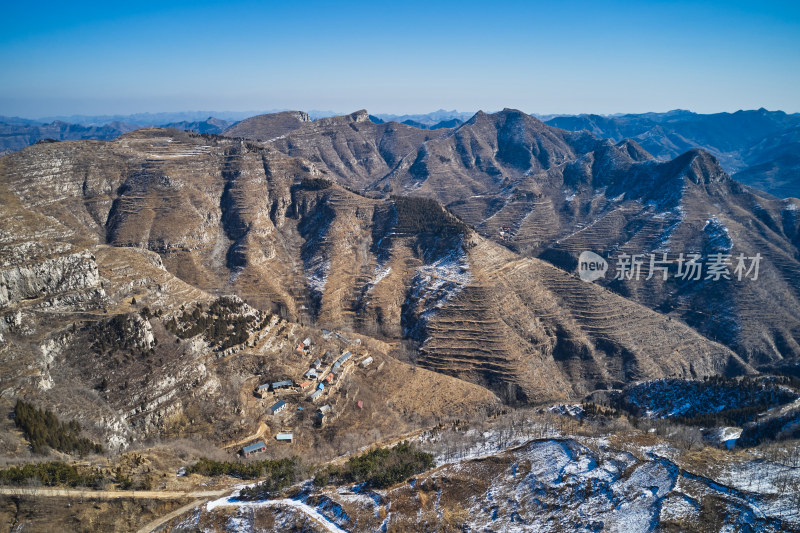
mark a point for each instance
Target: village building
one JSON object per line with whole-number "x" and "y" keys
{"x": 277, "y": 408}
{"x": 304, "y": 346}
{"x": 316, "y": 394}
{"x": 282, "y": 384}
{"x": 285, "y": 436}
{"x": 258, "y": 447}
{"x": 366, "y": 362}
{"x": 341, "y": 361}
{"x": 261, "y": 390}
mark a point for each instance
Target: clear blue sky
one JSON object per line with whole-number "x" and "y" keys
{"x": 401, "y": 57}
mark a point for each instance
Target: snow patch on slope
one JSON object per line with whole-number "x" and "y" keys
{"x": 718, "y": 237}
{"x": 437, "y": 283}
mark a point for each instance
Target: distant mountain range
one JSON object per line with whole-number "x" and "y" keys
{"x": 16, "y": 134}
{"x": 150, "y": 119}
{"x": 429, "y": 121}
{"x": 759, "y": 148}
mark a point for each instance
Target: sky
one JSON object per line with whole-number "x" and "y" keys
{"x": 65, "y": 58}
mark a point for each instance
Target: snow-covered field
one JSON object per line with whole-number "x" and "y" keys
{"x": 550, "y": 484}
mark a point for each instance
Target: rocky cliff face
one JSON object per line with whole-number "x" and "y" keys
{"x": 51, "y": 280}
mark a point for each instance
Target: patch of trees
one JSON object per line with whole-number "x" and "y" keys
{"x": 43, "y": 430}
{"x": 51, "y": 474}
{"x": 147, "y": 314}
{"x": 716, "y": 400}
{"x": 775, "y": 429}
{"x": 223, "y": 324}
{"x": 379, "y": 468}
{"x": 593, "y": 410}
{"x": 424, "y": 215}
{"x": 315, "y": 184}
{"x": 118, "y": 333}
{"x": 729, "y": 417}
{"x": 279, "y": 473}
{"x": 789, "y": 381}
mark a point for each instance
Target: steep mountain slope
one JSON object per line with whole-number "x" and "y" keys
{"x": 774, "y": 164}
{"x": 228, "y": 216}
{"x": 530, "y": 331}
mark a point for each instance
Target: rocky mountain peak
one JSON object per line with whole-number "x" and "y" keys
{"x": 701, "y": 167}
{"x": 360, "y": 116}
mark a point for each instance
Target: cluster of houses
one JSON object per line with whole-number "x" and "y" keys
{"x": 314, "y": 373}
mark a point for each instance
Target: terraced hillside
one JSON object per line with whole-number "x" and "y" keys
{"x": 228, "y": 216}
{"x": 536, "y": 332}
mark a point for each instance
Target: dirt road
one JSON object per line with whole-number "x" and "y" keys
{"x": 90, "y": 494}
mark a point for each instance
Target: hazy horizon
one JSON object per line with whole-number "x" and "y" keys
{"x": 199, "y": 115}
